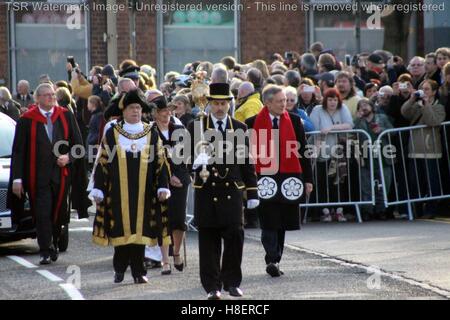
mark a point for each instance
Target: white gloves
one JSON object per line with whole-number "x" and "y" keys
{"x": 167, "y": 191}
{"x": 252, "y": 204}
{"x": 202, "y": 159}
{"x": 96, "y": 195}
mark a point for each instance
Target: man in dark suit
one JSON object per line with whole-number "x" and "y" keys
{"x": 284, "y": 172}
{"x": 218, "y": 205}
{"x": 7, "y": 105}
{"x": 23, "y": 96}
{"x": 41, "y": 170}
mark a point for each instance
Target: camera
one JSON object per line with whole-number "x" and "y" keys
{"x": 237, "y": 68}
{"x": 309, "y": 89}
{"x": 71, "y": 60}
{"x": 288, "y": 56}
{"x": 419, "y": 94}
{"x": 403, "y": 86}
{"x": 348, "y": 60}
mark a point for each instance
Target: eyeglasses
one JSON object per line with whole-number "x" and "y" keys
{"x": 417, "y": 65}
{"x": 47, "y": 95}
{"x": 290, "y": 100}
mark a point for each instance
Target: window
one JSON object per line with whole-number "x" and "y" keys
{"x": 337, "y": 31}
{"x": 42, "y": 37}
{"x": 191, "y": 35}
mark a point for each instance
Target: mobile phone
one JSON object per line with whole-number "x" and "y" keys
{"x": 288, "y": 56}
{"x": 309, "y": 89}
{"x": 348, "y": 60}
{"x": 71, "y": 60}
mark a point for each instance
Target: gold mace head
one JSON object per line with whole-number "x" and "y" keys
{"x": 200, "y": 90}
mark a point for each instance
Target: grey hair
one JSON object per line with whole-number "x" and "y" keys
{"x": 309, "y": 61}
{"x": 292, "y": 91}
{"x": 270, "y": 91}
{"x": 25, "y": 82}
{"x": 39, "y": 88}
{"x": 121, "y": 83}
{"x": 219, "y": 75}
{"x": 5, "y": 94}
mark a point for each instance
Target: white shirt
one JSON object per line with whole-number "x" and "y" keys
{"x": 224, "y": 124}
{"x": 273, "y": 117}
{"x": 126, "y": 144}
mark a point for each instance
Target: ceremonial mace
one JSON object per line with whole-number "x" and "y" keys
{"x": 199, "y": 92}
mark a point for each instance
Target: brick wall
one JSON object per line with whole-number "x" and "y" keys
{"x": 4, "y": 66}
{"x": 265, "y": 32}
{"x": 146, "y": 43}
{"x": 99, "y": 48}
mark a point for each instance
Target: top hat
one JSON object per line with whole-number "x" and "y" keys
{"x": 219, "y": 91}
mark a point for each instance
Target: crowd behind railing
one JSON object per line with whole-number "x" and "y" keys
{"x": 373, "y": 98}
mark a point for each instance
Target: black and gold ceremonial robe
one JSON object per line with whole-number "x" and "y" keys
{"x": 130, "y": 212}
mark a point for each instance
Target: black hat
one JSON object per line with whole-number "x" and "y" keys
{"x": 219, "y": 91}
{"x": 118, "y": 104}
{"x": 131, "y": 97}
{"x": 159, "y": 103}
{"x": 108, "y": 70}
{"x": 375, "y": 58}
{"x": 132, "y": 72}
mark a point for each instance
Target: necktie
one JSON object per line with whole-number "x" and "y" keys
{"x": 49, "y": 126}
{"x": 220, "y": 123}
{"x": 275, "y": 123}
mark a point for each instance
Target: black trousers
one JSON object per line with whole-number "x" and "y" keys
{"x": 273, "y": 243}
{"x": 47, "y": 232}
{"x": 212, "y": 275}
{"x": 130, "y": 255}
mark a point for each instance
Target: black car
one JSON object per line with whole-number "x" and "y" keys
{"x": 24, "y": 228}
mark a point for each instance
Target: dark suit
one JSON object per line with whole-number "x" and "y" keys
{"x": 218, "y": 210}
{"x": 44, "y": 191}
{"x": 276, "y": 218}
{"x": 24, "y": 101}
{"x": 11, "y": 109}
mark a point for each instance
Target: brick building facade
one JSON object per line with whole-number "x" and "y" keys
{"x": 260, "y": 35}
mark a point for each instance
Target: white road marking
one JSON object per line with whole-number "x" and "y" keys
{"x": 81, "y": 229}
{"x": 73, "y": 292}
{"x": 368, "y": 269}
{"x": 69, "y": 288}
{"x": 22, "y": 262}
{"x": 50, "y": 276}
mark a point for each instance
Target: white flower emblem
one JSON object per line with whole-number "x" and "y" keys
{"x": 267, "y": 188}
{"x": 292, "y": 188}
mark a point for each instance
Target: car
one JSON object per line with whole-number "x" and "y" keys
{"x": 24, "y": 227}
{"x": 10, "y": 231}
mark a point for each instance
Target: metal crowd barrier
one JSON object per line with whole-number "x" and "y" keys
{"x": 334, "y": 187}
{"x": 416, "y": 174}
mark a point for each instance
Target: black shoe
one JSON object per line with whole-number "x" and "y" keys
{"x": 273, "y": 270}
{"x": 180, "y": 266}
{"x": 234, "y": 291}
{"x": 166, "y": 270}
{"x": 118, "y": 277}
{"x": 214, "y": 295}
{"x": 140, "y": 280}
{"x": 45, "y": 260}
{"x": 54, "y": 254}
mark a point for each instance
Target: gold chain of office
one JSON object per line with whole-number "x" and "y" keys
{"x": 135, "y": 136}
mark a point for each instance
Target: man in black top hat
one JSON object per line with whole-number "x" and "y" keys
{"x": 218, "y": 204}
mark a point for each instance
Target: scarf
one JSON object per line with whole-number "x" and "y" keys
{"x": 270, "y": 158}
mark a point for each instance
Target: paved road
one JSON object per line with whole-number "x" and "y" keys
{"x": 307, "y": 275}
